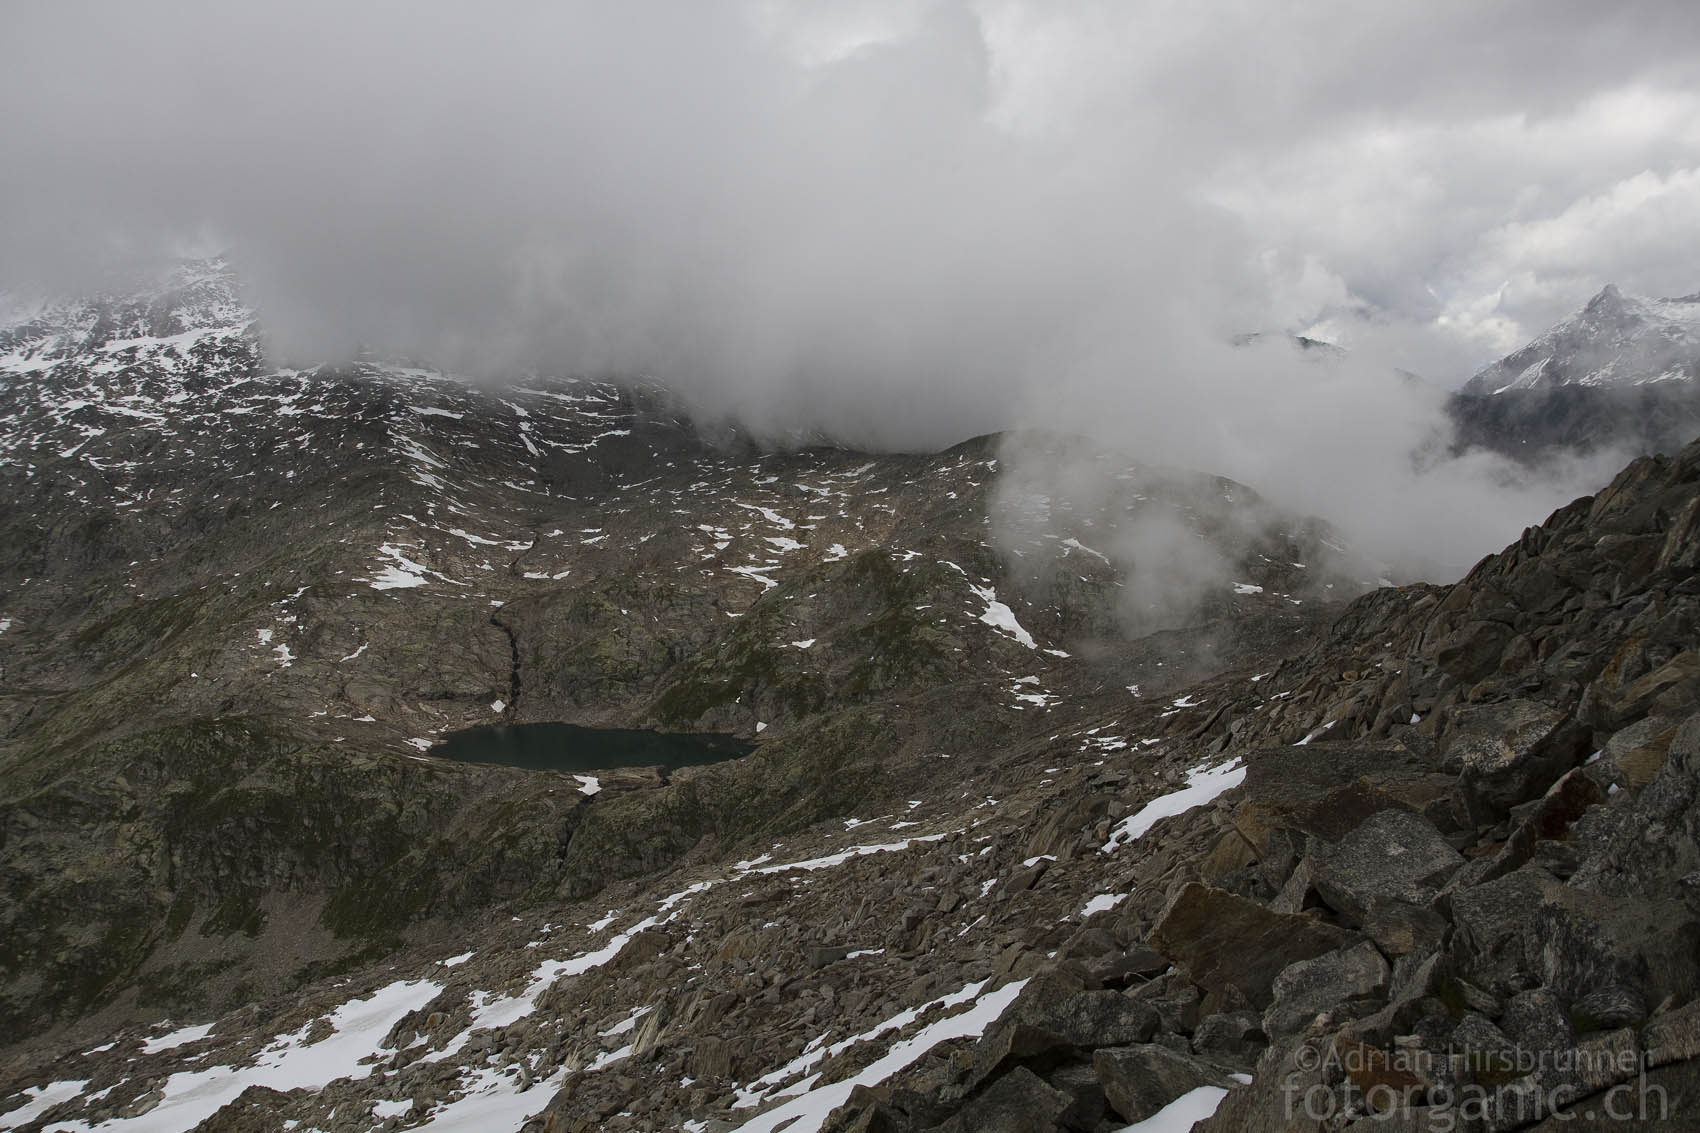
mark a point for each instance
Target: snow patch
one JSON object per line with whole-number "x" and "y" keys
{"x": 1001, "y": 618}
{"x": 1203, "y": 784}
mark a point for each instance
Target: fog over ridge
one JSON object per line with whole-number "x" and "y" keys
{"x": 904, "y": 224}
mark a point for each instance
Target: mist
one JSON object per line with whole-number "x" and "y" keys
{"x": 899, "y": 225}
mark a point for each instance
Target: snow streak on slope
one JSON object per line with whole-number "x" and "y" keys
{"x": 292, "y": 1061}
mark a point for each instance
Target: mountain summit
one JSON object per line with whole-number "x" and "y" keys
{"x": 1616, "y": 340}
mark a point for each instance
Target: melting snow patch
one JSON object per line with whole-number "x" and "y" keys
{"x": 289, "y": 1062}
{"x": 494, "y": 1100}
{"x": 588, "y": 784}
{"x": 1077, "y": 545}
{"x": 756, "y": 574}
{"x": 854, "y": 852}
{"x": 1314, "y": 734}
{"x": 1001, "y": 618}
{"x": 175, "y": 1039}
{"x": 803, "y": 644}
{"x": 1103, "y": 903}
{"x": 40, "y": 1100}
{"x": 405, "y": 573}
{"x": 455, "y": 961}
{"x": 771, "y": 516}
{"x": 808, "y": 1112}
{"x": 1247, "y": 588}
{"x": 1202, "y": 785}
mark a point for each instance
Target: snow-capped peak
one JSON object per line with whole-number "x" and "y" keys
{"x": 1615, "y": 340}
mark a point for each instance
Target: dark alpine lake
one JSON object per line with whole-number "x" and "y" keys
{"x": 571, "y": 748}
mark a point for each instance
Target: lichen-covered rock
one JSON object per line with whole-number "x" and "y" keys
{"x": 1311, "y": 987}
{"x": 1393, "y": 856}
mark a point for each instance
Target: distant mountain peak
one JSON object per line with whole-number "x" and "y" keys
{"x": 1616, "y": 340}
{"x": 1609, "y": 299}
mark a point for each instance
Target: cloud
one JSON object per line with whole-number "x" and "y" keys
{"x": 894, "y": 223}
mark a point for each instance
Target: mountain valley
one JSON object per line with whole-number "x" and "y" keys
{"x": 1017, "y": 844}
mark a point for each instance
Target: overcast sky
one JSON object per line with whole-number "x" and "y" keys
{"x": 904, "y": 222}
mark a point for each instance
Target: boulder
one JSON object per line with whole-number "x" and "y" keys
{"x": 1221, "y": 940}
{"x": 1018, "y": 1102}
{"x": 1608, "y": 1007}
{"x": 1080, "y": 1082}
{"x": 1485, "y": 916}
{"x": 1671, "y": 687}
{"x": 1401, "y": 929}
{"x": 1310, "y": 987}
{"x": 1472, "y": 651}
{"x": 1638, "y": 751}
{"x": 1508, "y": 752}
{"x": 1232, "y": 1039}
{"x": 1395, "y": 856}
{"x": 820, "y": 955}
{"x": 1664, "y": 1098}
{"x": 1140, "y": 1080}
{"x": 1053, "y": 1018}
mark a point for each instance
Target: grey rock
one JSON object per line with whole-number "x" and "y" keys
{"x": 1051, "y": 1017}
{"x": 1080, "y": 1082}
{"x": 1018, "y": 1102}
{"x": 1488, "y": 915}
{"x": 1673, "y": 1035}
{"x": 1667, "y": 1097}
{"x": 1510, "y": 751}
{"x": 1402, "y": 929}
{"x": 1473, "y": 650}
{"x": 1608, "y": 1007}
{"x": 819, "y": 956}
{"x": 1232, "y": 1038}
{"x": 1489, "y": 1055}
{"x": 1310, "y": 987}
{"x": 1140, "y": 1080}
{"x": 1395, "y": 856}
{"x": 1638, "y": 751}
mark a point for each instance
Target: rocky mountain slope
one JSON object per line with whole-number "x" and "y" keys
{"x": 992, "y": 865}
{"x": 242, "y": 603}
{"x": 1620, "y": 373}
